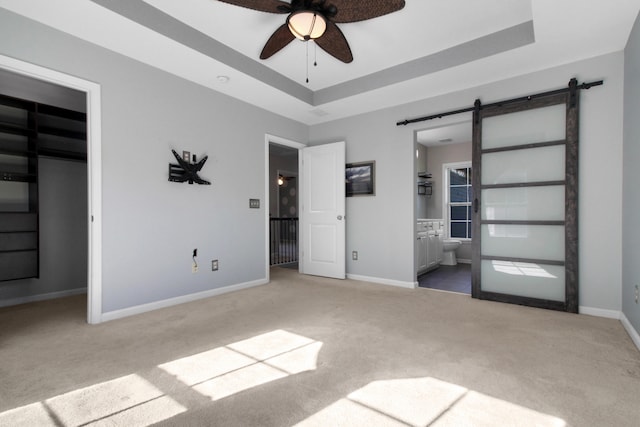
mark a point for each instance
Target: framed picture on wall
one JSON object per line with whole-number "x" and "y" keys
{"x": 361, "y": 179}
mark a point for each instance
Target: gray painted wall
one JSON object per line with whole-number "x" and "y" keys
{"x": 151, "y": 225}
{"x": 631, "y": 194}
{"x": 381, "y": 227}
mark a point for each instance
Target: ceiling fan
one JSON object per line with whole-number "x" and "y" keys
{"x": 316, "y": 20}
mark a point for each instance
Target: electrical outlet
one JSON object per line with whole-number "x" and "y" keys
{"x": 354, "y": 255}
{"x": 637, "y": 294}
{"x": 214, "y": 265}
{"x": 254, "y": 203}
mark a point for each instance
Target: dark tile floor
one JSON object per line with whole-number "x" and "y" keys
{"x": 453, "y": 278}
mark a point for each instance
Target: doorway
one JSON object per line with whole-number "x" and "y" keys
{"x": 283, "y": 206}
{"x": 443, "y": 194}
{"x": 93, "y": 170}
{"x": 282, "y": 165}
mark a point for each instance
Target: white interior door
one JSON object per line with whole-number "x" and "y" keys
{"x": 322, "y": 216}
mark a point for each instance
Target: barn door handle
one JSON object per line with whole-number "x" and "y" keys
{"x": 475, "y": 205}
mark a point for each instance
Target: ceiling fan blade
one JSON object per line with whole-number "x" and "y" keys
{"x": 334, "y": 43}
{"x": 352, "y": 11}
{"x": 279, "y": 39}
{"x": 271, "y": 6}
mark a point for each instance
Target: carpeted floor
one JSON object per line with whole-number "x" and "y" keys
{"x": 310, "y": 351}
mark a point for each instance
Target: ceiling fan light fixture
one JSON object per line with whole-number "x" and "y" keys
{"x": 306, "y": 24}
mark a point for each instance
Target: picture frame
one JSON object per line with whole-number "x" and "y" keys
{"x": 360, "y": 179}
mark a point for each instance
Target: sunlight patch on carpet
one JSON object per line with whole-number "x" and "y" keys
{"x": 134, "y": 401}
{"x": 225, "y": 371}
{"x": 34, "y": 414}
{"x": 425, "y": 401}
{"x": 128, "y": 400}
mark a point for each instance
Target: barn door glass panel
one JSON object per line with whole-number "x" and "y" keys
{"x": 520, "y": 206}
{"x": 524, "y": 204}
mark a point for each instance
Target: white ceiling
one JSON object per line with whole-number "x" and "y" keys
{"x": 429, "y": 48}
{"x": 455, "y": 133}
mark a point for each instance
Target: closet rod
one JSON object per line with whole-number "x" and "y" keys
{"x": 500, "y": 103}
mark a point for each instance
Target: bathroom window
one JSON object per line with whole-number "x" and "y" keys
{"x": 459, "y": 196}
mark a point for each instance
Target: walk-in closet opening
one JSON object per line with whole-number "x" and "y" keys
{"x": 44, "y": 203}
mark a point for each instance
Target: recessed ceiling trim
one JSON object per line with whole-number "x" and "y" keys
{"x": 162, "y": 23}
{"x": 148, "y": 16}
{"x": 482, "y": 47}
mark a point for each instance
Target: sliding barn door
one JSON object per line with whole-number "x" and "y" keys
{"x": 525, "y": 180}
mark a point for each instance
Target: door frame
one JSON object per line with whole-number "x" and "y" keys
{"x": 268, "y": 139}
{"x": 92, "y": 91}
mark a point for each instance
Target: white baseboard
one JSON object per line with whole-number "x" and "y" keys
{"x": 389, "y": 282}
{"x": 599, "y": 312}
{"x": 42, "y": 297}
{"x": 635, "y": 337}
{"x": 138, "y": 309}
{"x": 464, "y": 261}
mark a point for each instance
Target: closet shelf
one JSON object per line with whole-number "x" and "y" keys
{"x": 64, "y": 113}
{"x": 18, "y": 177}
{"x": 65, "y": 133}
{"x": 63, "y": 154}
{"x": 16, "y": 152}
{"x": 14, "y": 129}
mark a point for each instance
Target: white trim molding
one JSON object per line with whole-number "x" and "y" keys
{"x": 635, "y": 337}
{"x": 94, "y": 168}
{"x": 380, "y": 281}
{"x": 143, "y": 308}
{"x": 613, "y": 314}
{"x": 599, "y": 312}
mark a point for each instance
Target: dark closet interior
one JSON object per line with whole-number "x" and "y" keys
{"x": 29, "y": 131}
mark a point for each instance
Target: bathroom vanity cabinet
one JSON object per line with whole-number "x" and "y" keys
{"x": 429, "y": 235}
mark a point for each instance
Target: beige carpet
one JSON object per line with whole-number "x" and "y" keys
{"x": 317, "y": 352}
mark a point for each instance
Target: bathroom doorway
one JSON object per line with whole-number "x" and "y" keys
{"x": 443, "y": 210}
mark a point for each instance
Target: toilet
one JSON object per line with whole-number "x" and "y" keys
{"x": 449, "y": 247}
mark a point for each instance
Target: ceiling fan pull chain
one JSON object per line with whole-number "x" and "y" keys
{"x": 315, "y": 54}
{"x": 307, "y": 61}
